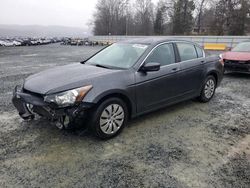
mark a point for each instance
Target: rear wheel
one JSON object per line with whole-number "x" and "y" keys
{"x": 109, "y": 118}
{"x": 208, "y": 89}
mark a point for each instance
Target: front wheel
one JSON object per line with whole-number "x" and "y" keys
{"x": 109, "y": 118}
{"x": 208, "y": 89}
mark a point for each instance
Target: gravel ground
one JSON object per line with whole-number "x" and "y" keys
{"x": 187, "y": 145}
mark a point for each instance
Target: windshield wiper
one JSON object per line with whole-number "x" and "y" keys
{"x": 106, "y": 66}
{"x": 102, "y": 66}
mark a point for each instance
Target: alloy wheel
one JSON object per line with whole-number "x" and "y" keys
{"x": 112, "y": 118}
{"x": 209, "y": 88}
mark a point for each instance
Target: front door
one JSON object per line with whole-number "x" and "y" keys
{"x": 155, "y": 89}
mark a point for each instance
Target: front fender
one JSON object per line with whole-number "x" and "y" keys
{"x": 128, "y": 95}
{"x": 99, "y": 97}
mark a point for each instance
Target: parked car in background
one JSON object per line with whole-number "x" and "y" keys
{"x": 6, "y": 43}
{"x": 238, "y": 59}
{"x": 123, "y": 81}
{"x": 21, "y": 41}
{"x": 16, "y": 43}
{"x": 1, "y": 42}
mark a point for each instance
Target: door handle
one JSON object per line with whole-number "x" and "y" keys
{"x": 175, "y": 69}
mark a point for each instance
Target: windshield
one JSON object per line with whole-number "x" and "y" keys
{"x": 118, "y": 55}
{"x": 242, "y": 47}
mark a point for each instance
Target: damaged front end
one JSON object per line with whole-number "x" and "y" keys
{"x": 237, "y": 66}
{"x": 30, "y": 104}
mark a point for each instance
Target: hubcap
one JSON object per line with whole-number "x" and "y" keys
{"x": 112, "y": 119}
{"x": 209, "y": 88}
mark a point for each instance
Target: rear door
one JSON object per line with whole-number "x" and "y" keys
{"x": 192, "y": 60}
{"x": 154, "y": 89}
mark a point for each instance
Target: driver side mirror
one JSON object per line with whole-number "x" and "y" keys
{"x": 151, "y": 67}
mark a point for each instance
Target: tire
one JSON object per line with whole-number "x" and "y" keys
{"x": 109, "y": 118}
{"x": 208, "y": 89}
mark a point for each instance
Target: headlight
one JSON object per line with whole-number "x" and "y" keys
{"x": 70, "y": 97}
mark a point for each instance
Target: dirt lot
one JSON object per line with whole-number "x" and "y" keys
{"x": 186, "y": 145}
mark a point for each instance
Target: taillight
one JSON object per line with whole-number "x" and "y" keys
{"x": 221, "y": 59}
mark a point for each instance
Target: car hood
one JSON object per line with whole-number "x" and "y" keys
{"x": 64, "y": 78}
{"x": 237, "y": 56}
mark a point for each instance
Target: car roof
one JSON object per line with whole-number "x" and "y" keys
{"x": 151, "y": 40}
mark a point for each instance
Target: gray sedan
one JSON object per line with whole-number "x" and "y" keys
{"x": 122, "y": 81}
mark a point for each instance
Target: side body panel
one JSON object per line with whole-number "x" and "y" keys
{"x": 154, "y": 89}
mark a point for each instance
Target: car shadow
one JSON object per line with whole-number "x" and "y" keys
{"x": 83, "y": 134}
{"x": 162, "y": 111}
{"x": 86, "y": 134}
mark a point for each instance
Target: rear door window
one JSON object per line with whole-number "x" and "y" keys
{"x": 186, "y": 51}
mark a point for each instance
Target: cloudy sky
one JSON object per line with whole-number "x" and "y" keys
{"x": 74, "y": 13}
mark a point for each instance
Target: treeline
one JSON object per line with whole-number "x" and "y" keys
{"x": 172, "y": 17}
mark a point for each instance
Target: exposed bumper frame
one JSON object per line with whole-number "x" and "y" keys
{"x": 238, "y": 67}
{"x": 29, "y": 105}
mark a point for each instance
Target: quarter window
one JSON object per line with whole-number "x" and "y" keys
{"x": 186, "y": 51}
{"x": 163, "y": 54}
{"x": 199, "y": 51}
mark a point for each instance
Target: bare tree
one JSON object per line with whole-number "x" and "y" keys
{"x": 110, "y": 17}
{"x": 162, "y": 20}
{"x": 200, "y": 8}
{"x": 144, "y": 17}
{"x": 125, "y": 17}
